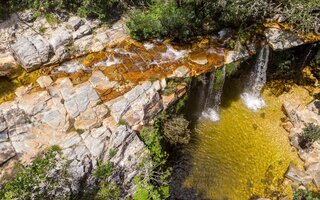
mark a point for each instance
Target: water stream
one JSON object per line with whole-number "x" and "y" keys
{"x": 213, "y": 99}
{"x": 252, "y": 95}
{"x": 244, "y": 154}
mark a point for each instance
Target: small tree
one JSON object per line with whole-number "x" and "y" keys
{"x": 311, "y": 133}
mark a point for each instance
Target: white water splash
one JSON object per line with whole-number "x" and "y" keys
{"x": 174, "y": 54}
{"x": 148, "y": 46}
{"x": 109, "y": 62}
{"x": 213, "y": 99}
{"x": 211, "y": 114}
{"x": 70, "y": 67}
{"x": 252, "y": 95}
{"x": 253, "y": 102}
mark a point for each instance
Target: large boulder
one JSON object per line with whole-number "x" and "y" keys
{"x": 32, "y": 52}
{"x": 280, "y": 39}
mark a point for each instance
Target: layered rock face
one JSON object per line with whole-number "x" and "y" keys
{"x": 300, "y": 115}
{"x": 87, "y": 129}
{"x": 37, "y": 43}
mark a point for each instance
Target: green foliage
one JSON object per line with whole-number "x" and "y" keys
{"x": 122, "y": 122}
{"x": 27, "y": 178}
{"x": 315, "y": 64}
{"x": 80, "y": 131}
{"x": 185, "y": 19}
{"x": 232, "y": 68}
{"x": 108, "y": 191}
{"x": 51, "y": 19}
{"x": 282, "y": 64}
{"x": 155, "y": 184}
{"x": 305, "y": 195}
{"x": 103, "y": 170}
{"x": 176, "y": 130}
{"x": 153, "y": 141}
{"x": 171, "y": 87}
{"x": 311, "y": 133}
{"x": 112, "y": 152}
{"x": 159, "y": 21}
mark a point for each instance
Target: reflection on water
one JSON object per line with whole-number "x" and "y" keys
{"x": 244, "y": 154}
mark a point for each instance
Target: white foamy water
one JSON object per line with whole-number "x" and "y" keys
{"x": 148, "y": 46}
{"x": 172, "y": 53}
{"x": 252, "y": 95}
{"x": 253, "y": 102}
{"x": 70, "y": 67}
{"x": 109, "y": 62}
{"x": 211, "y": 114}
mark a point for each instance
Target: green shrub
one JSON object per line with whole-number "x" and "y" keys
{"x": 159, "y": 21}
{"x": 183, "y": 20}
{"x": 305, "y": 195}
{"x": 311, "y": 133}
{"x": 176, "y": 130}
{"x": 104, "y": 170}
{"x": 112, "y": 152}
{"x": 108, "y": 191}
{"x": 27, "y": 179}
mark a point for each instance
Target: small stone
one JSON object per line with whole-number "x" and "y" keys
{"x": 82, "y": 31}
{"x": 7, "y": 64}
{"x": 75, "y": 22}
{"x": 295, "y": 174}
{"x": 181, "y": 72}
{"x": 44, "y": 81}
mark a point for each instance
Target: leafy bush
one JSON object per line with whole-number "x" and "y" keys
{"x": 305, "y": 195}
{"x": 33, "y": 181}
{"x": 160, "y": 21}
{"x": 184, "y": 19}
{"x": 108, "y": 191}
{"x": 154, "y": 184}
{"x": 102, "y": 9}
{"x": 176, "y": 130}
{"x": 311, "y": 133}
{"x": 104, "y": 170}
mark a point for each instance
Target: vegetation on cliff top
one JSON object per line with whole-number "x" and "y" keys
{"x": 184, "y": 19}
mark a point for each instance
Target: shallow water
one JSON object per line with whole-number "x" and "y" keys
{"x": 243, "y": 154}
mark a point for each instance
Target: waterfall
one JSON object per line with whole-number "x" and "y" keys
{"x": 218, "y": 94}
{"x": 252, "y": 95}
{"x": 213, "y": 99}
{"x": 210, "y": 90}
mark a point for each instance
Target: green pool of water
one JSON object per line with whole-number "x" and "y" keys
{"x": 244, "y": 154}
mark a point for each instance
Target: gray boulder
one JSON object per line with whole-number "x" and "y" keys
{"x": 32, "y": 52}
{"x": 281, "y": 39}
{"x": 60, "y": 37}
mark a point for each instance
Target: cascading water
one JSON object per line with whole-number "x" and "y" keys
{"x": 213, "y": 98}
{"x": 252, "y": 95}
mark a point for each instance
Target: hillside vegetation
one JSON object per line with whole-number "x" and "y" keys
{"x": 182, "y": 19}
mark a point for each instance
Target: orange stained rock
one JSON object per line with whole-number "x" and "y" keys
{"x": 93, "y": 58}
